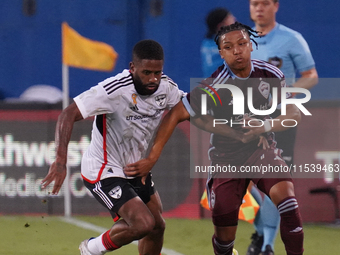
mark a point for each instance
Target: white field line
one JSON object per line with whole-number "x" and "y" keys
{"x": 89, "y": 226}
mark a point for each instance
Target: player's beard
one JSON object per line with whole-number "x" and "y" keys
{"x": 143, "y": 89}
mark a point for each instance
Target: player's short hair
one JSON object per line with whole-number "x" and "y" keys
{"x": 215, "y": 17}
{"x": 148, "y": 49}
{"x": 237, "y": 26}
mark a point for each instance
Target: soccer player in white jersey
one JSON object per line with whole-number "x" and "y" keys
{"x": 287, "y": 50}
{"x": 127, "y": 108}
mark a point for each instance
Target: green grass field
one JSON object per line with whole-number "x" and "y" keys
{"x": 20, "y": 235}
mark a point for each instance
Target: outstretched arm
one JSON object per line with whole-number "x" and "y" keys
{"x": 168, "y": 125}
{"x": 57, "y": 171}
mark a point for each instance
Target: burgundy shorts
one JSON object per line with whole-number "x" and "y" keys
{"x": 226, "y": 194}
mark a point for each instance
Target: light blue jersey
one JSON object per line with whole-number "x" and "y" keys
{"x": 210, "y": 57}
{"x": 286, "y": 49}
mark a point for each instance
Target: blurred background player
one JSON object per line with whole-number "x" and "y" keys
{"x": 287, "y": 50}
{"x": 128, "y": 108}
{"x": 210, "y": 58}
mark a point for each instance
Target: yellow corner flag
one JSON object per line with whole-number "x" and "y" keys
{"x": 82, "y": 52}
{"x": 248, "y": 209}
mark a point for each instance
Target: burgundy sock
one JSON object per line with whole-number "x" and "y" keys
{"x": 222, "y": 247}
{"x": 291, "y": 226}
{"x": 109, "y": 245}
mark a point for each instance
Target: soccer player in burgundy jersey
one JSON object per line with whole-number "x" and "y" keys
{"x": 128, "y": 108}
{"x": 237, "y": 145}
{"x": 289, "y": 51}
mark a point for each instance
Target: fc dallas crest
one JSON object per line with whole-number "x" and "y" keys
{"x": 160, "y": 100}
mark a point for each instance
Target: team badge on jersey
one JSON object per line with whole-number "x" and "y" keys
{"x": 160, "y": 100}
{"x": 264, "y": 89}
{"x": 116, "y": 192}
{"x": 275, "y": 61}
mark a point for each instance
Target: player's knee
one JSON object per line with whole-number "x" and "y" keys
{"x": 158, "y": 231}
{"x": 281, "y": 190}
{"x": 226, "y": 220}
{"x": 142, "y": 227}
{"x": 160, "y": 225}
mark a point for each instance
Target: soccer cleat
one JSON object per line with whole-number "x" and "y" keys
{"x": 83, "y": 248}
{"x": 235, "y": 252}
{"x": 268, "y": 251}
{"x": 256, "y": 244}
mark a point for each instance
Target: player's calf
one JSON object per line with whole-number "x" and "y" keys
{"x": 291, "y": 226}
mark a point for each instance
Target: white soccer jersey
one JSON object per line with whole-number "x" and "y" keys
{"x": 124, "y": 123}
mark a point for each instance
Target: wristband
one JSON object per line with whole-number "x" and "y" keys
{"x": 267, "y": 126}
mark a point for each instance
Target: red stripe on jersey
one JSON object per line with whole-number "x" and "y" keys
{"x": 104, "y": 154}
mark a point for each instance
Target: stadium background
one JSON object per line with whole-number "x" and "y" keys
{"x": 30, "y": 47}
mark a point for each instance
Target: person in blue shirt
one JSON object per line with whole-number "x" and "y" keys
{"x": 210, "y": 57}
{"x": 287, "y": 50}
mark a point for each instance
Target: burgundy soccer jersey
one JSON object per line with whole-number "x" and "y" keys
{"x": 262, "y": 79}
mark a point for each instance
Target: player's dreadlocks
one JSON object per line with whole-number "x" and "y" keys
{"x": 235, "y": 27}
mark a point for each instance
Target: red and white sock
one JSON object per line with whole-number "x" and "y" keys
{"x": 101, "y": 244}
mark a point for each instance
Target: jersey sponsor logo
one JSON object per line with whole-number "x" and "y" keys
{"x": 145, "y": 117}
{"x": 160, "y": 100}
{"x": 275, "y": 61}
{"x": 116, "y": 192}
{"x": 264, "y": 89}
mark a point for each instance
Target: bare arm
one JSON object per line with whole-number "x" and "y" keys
{"x": 307, "y": 80}
{"x": 168, "y": 125}
{"x": 57, "y": 171}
